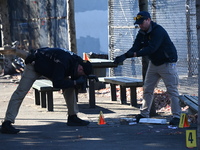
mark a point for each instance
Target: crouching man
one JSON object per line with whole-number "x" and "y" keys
{"x": 64, "y": 68}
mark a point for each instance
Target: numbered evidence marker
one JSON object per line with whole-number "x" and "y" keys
{"x": 191, "y": 138}
{"x": 183, "y": 121}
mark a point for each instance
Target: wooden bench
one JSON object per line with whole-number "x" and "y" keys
{"x": 44, "y": 93}
{"x": 191, "y": 101}
{"x": 44, "y": 90}
{"x": 124, "y": 82}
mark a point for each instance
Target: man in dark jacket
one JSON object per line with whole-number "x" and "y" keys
{"x": 153, "y": 41}
{"x": 65, "y": 69}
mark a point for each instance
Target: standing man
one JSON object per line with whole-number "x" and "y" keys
{"x": 153, "y": 41}
{"x": 65, "y": 69}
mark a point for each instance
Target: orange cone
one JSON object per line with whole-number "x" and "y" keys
{"x": 101, "y": 119}
{"x": 183, "y": 121}
{"x": 85, "y": 57}
{"x": 186, "y": 123}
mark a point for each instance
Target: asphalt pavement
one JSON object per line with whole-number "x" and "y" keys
{"x": 41, "y": 129}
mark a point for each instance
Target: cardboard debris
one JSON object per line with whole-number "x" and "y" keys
{"x": 132, "y": 123}
{"x": 153, "y": 120}
{"x": 172, "y": 127}
{"x": 128, "y": 121}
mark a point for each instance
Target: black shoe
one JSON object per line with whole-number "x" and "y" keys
{"x": 73, "y": 120}
{"x": 138, "y": 117}
{"x": 174, "y": 121}
{"x": 7, "y": 128}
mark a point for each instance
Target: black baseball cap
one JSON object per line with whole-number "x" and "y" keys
{"x": 141, "y": 16}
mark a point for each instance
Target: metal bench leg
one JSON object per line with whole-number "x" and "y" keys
{"x": 50, "y": 101}
{"x": 76, "y": 92}
{"x": 37, "y": 97}
{"x": 43, "y": 99}
{"x": 133, "y": 96}
{"x": 91, "y": 93}
{"x": 123, "y": 94}
{"x": 113, "y": 92}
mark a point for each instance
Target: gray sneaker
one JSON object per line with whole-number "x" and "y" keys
{"x": 7, "y": 128}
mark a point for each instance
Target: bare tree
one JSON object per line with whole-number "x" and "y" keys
{"x": 4, "y": 14}
{"x": 5, "y": 22}
{"x": 71, "y": 26}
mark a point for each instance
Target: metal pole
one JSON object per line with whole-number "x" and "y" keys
{"x": 188, "y": 38}
{"x": 198, "y": 40}
{"x": 143, "y": 6}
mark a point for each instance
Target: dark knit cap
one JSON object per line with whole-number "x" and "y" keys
{"x": 87, "y": 67}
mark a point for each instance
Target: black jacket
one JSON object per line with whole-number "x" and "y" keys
{"x": 57, "y": 64}
{"x": 156, "y": 44}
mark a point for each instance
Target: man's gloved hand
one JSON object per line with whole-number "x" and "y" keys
{"x": 80, "y": 81}
{"x": 119, "y": 59}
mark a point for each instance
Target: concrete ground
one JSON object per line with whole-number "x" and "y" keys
{"x": 41, "y": 129}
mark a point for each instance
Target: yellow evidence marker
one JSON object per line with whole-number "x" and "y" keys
{"x": 183, "y": 121}
{"x": 191, "y": 138}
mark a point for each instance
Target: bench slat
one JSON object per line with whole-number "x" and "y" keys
{"x": 124, "y": 81}
{"x": 44, "y": 85}
{"x": 44, "y": 90}
{"x": 194, "y": 99}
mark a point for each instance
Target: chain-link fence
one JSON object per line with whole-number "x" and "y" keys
{"x": 43, "y": 23}
{"x": 177, "y": 17}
